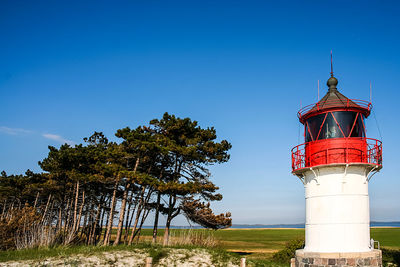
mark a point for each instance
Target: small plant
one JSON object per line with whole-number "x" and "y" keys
{"x": 157, "y": 254}
{"x": 284, "y": 255}
{"x": 72, "y": 263}
{"x": 221, "y": 257}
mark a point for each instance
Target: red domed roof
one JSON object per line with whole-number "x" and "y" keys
{"x": 334, "y": 100}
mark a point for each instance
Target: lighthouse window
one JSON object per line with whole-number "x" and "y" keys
{"x": 346, "y": 122}
{"x": 314, "y": 125}
{"x": 358, "y": 130}
{"x": 330, "y": 129}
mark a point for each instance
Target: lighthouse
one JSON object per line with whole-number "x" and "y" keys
{"x": 335, "y": 164}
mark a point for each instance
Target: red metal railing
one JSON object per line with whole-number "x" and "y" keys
{"x": 350, "y": 103}
{"x": 316, "y": 153}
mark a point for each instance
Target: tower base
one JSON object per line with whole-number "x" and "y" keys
{"x": 371, "y": 258}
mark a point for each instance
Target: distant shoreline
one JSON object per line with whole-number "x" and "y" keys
{"x": 288, "y": 228}
{"x": 277, "y": 226}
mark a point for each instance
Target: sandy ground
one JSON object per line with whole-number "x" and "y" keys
{"x": 173, "y": 257}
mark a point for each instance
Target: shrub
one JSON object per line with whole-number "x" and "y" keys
{"x": 14, "y": 223}
{"x": 284, "y": 255}
{"x": 157, "y": 254}
{"x": 390, "y": 257}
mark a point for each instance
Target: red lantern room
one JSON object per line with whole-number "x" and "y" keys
{"x": 335, "y": 133}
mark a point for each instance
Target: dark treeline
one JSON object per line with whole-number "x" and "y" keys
{"x": 160, "y": 168}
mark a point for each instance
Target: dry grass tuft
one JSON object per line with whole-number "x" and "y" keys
{"x": 195, "y": 237}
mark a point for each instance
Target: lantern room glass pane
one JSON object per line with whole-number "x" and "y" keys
{"x": 358, "y": 130}
{"x": 345, "y": 120}
{"x": 315, "y": 124}
{"x": 330, "y": 129}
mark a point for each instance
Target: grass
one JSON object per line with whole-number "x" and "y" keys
{"x": 387, "y": 237}
{"x": 157, "y": 254}
{"x": 44, "y": 253}
{"x": 260, "y": 244}
{"x": 257, "y": 245}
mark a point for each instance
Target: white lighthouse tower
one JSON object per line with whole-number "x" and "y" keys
{"x": 335, "y": 164}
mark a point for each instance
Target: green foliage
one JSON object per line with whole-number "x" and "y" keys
{"x": 284, "y": 255}
{"x": 390, "y": 257}
{"x": 221, "y": 257}
{"x": 157, "y": 254}
{"x": 265, "y": 263}
{"x": 202, "y": 214}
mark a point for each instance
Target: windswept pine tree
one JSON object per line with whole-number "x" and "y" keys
{"x": 192, "y": 149}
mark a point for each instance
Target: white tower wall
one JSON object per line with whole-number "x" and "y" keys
{"x": 337, "y": 208}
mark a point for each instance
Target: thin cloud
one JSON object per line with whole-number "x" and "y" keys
{"x": 58, "y": 138}
{"x": 14, "y": 131}
{"x": 20, "y": 131}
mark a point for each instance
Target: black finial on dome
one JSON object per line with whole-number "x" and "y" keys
{"x": 332, "y": 82}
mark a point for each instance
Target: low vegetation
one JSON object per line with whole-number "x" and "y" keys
{"x": 131, "y": 255}
{"x": 390, "y": 257}
{"x": 284, "y": 255}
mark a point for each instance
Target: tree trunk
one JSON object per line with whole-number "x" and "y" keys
{"x": 58, "y": 226}
{"x": 166, "y": 232}
{"x": 50, "y": 216}
{"x": 4, "y": 209}
{"x": 171, "y": 205}
{"x": 78, "y": 222}
{"x": 76, "y": 205}
{"x": 110, "y": 219}
{"x": 144, "y": 217}
{"x": 128, "y": 219}
{"x": 36, "y": 200}
{"x": 123, "y": 207}
{"x": 145, "y": 211}
{"x": 122, "y": 214}
{"x": 67, "y": 221}
{"x": 88, "y": 221}
{"x": 63, "y": 212}
{"x": 96, "y": 222}
{"x": 85, "y": 220}
{"x": 138, "y": 212}
{"x": 45, "y": 209}
{"x": 155, "y": 227}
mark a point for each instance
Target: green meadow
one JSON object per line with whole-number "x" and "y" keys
{"x": 260, "y": 243}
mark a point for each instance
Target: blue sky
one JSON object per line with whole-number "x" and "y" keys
{"x": 68, "y": 68}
